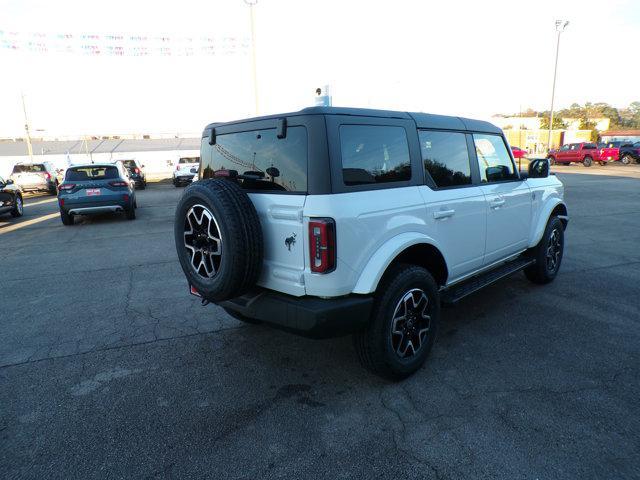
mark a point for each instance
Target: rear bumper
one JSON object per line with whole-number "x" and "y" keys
{"x": 307, "y": 316}
{"x": 97, "y": 209}
{"x": 183, "y": 178}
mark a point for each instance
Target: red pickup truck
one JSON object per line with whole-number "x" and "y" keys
{"x": 626, "y": 152}
{"x": 585, "y": 153}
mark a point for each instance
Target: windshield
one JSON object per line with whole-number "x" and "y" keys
{"x": 35, "y": 168}
{"x": 80, "y": 174}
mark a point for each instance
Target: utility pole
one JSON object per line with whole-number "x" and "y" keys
{"x": 560, "y": 26}
{"x": 254, "y": 69}
{"x": 26, "y": 128}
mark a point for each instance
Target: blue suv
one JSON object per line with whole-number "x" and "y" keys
{"x": 96, "y": 188}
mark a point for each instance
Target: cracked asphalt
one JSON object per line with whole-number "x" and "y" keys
{"x": 109, "y": 369}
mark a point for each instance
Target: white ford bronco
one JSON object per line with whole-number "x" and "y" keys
{"x": 333, "y": 221}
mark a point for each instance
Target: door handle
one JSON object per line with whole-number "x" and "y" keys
{"x": 443, "y": 214}
{"x": 497, "y": 202}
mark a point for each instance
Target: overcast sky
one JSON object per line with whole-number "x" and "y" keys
{"x": 455, "y": 57}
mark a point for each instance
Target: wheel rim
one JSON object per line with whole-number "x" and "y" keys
{"x": 554, "y": 250}
{"x": 411, "y": 323}
{"x": 202, "y": 241}
{"x": 19, "y": 205}
{"x": 626, "y": 160}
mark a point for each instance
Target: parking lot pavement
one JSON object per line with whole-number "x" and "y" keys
{"x": 109, "y": 369}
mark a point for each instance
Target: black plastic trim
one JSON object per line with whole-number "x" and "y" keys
{"x": 311, "y": 317}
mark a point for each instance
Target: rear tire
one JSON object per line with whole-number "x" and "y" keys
{"x": 66, "y": 218}
{"x": 130, "y": 212}
{"x": 548, "y": 254}
{"x": 587, "y": 161}
{"x": 626, "y": 159}
{"x": 403, "y": 325}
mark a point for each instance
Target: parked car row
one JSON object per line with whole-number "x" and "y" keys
{"x": 589, "y": 153}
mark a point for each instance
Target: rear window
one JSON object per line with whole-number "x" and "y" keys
{"x": 374, "y": 154}
{"x": 129, "y": 163}
{"x": 267, "y": 162}
{"x": 80, "y": 174}
{"x": 35, "y": 168}
{"x": 189, "y": 160}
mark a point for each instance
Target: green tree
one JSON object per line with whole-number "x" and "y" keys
{"x": 558, "y": 124}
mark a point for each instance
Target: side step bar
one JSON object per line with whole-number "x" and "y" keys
{"x": 457, "y": 292}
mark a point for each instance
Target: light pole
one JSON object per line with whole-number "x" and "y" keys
{"x": 560, "y": 26}
{"x": 253, "y": 3}
{"x": 26, "y": 128}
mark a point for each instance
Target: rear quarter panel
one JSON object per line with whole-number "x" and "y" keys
{"x": 365, "y": 222}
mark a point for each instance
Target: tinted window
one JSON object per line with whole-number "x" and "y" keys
{"x": 80, "y": 174}
{"x": 445, "y": 157}
{"x": 189, "y": 160}
{"x": 493, "y": 158}
{"x": 35, "y": 168}
{"x": 589, "y": 146}
{"x": 374, "y": 154}
{"x": 268, "y": 163}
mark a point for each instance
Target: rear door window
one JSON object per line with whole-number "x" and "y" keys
{"x": 264, "y": 161}
{"x": 374, "y": 154}
{"x": 81, "y": 174}
{"x": 445, "y": 157}
{"x": 35, "y": 168}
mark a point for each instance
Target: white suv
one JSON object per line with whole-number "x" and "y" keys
{"x": 186, "y": 169}
{"x": 331, "y": 221}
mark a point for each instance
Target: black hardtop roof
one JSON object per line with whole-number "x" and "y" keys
{"x": 423, "y": 120}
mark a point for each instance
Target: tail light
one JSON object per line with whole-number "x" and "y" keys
{"x": 177, "y": 167}
{"x": 47, "y": 175}
{"x": 136, "y": 170}
{"x": 322, "y": 245}
{"x": 66, "y": 186}
{"x": 118, "y": 183}
{"x": 61, "y": 201}
{"x": 125, "y": 197}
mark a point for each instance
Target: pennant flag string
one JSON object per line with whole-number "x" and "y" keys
{"x": 135, "y": 45}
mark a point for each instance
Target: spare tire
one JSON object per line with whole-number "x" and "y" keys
{"x": 218, "y": 239}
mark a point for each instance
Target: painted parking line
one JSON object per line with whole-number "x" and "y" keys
{"x": 17, "y": 226}
{"x": 40, "y": 202}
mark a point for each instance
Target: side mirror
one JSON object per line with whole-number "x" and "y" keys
{"x": 141, "y": 166}
{"x": 539, "y": 168}
{"x": 8, "y": 181}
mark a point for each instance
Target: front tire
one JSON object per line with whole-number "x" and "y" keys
{"x": 403, "y": 325}
{"x": 18, "y": 207}
{"x": 547, "y": 254}
{"x": 588, "y": 161}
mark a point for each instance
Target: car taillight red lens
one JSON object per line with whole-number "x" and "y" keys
{"x": 61, "y": 201}
{"x": 66, "y": 186}
{"x": 47, "y": 175}
{"x": 136, "y": 170}
{"x": 322, "y": 245}
{"x": 125, "y": 197}
{"x": 118, "y": 184}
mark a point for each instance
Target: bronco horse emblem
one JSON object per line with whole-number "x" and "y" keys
{"x": 290, "y": 241}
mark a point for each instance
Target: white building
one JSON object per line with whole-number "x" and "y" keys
{"x": 158, "y": 155}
